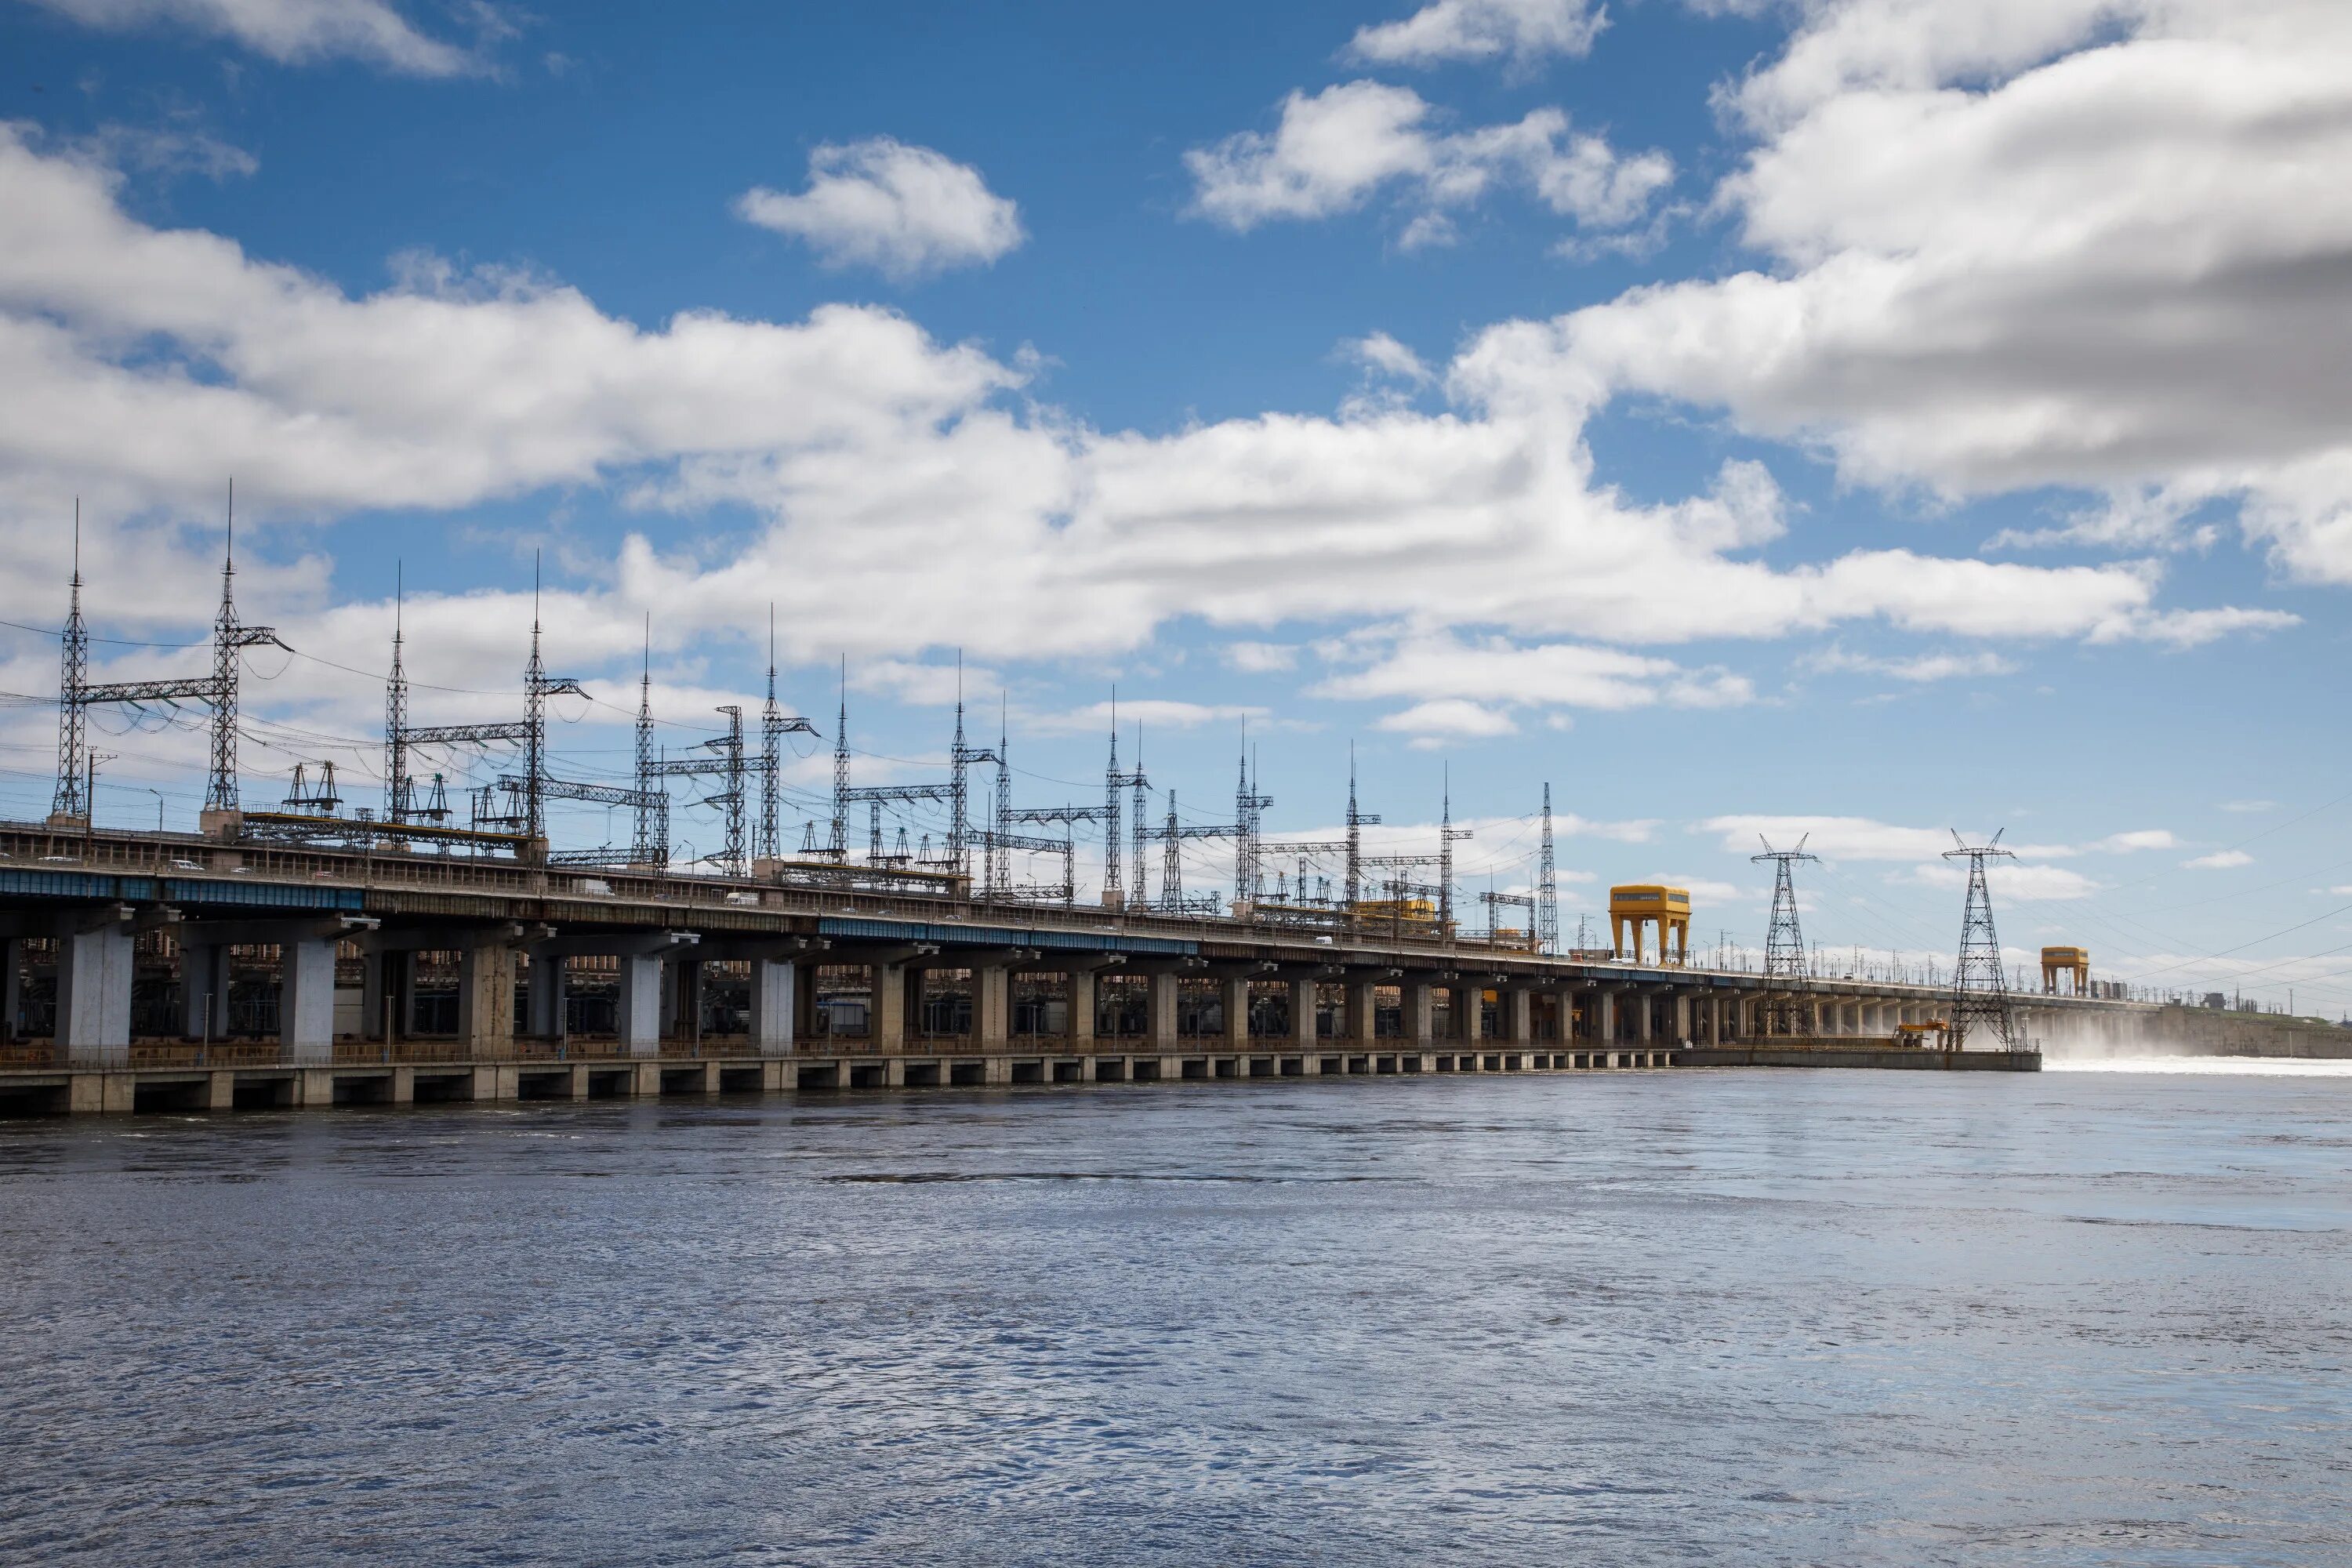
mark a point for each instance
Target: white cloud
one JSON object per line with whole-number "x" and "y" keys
{"x": 2249, "y": 805}
{"x": 923, "y": 684}
{"x": 2008, "y": 880}
{"x": 1333, "y": 150}
{"x": 1381, "y": 354}
{"x": 880, "y": 203}
{"x": 1152, "y": 714}
{"x": 299, "y": 32}
{"x": 1518, "y": 30}
{"x": 1464, "y": 686}
{"x": 2220, "y": 860}
{"x": 1455, "y": 718}
{"x": 1706, "y": 890}
{"x": 2193, "y": 628}
{"x": 2102, "y": 244}
{"x": 863, "y": 444}
{"x": 2141, "y": 838}
{"x": 1261, "y": 657}
{"x": 1919, "y": 669}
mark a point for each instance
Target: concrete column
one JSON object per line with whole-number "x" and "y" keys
{"x": 636, "y": 1005}
{"x": 991, "y": 1007}
{"x": 1470, "y": 1014}
{"x": 486, "y": 978}
{"x": 1420, "y": 1007}
{"x": 547, "y": 987}
{"x": 94, "y": 991}
{"x": 1642, "y": 1013}
{"x": 12, "y": 987}
{"x": 886, "y": 1006}
{"x": 1360, "y": 1020}
{"x": 1303, "y": 1036}
{"x": 1236, "y": 989}
{"x": 669, "y": 983}
{"x": 774, "y": 985}
{"x": 1160, "y": 1013}
{"x": 1082, "y": 1008}
{"x": 1563, "y": 1002}
{"x": 1714, "y": 1020}
{"x": 1682, "y": 1019}
{"x": 1605, "y": 1023}
{"x": 204, "y": 982}
{"x": 306, "y": 1000}
{"x": 1518, "y": 1017}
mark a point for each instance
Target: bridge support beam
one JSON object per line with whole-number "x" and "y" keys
{"x": 991, "y": 1006}
{"x": 486, "y": 982}
{"x": 1304, "y": 1000}
{"x": 1082, "y": 1008}
{"x": 773, "y": 998}
{"x": 1160, "y": 1010}
{"x": 1469, "y": 1012}
{"x": 94, "y": 959}
{"x": 1519, "y": 1015}
{"x": 1236, "y": 998}
{"x": 306, "y": 1000}
{"x": 636, "y": 1005}
{"x": 1417, "y": 1001}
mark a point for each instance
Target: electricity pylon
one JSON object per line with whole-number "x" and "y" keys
{"x": 1784, "y": 941}
{"x": 1979, "y": 985}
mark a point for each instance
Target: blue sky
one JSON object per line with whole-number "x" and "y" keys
{"x": 1856, "y": 415}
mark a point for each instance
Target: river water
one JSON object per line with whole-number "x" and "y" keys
{"x": 1723, "y": 1317}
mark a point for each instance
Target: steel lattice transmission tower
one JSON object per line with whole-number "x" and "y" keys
{"x": 1547, "y": 889}
{"x": 1784, "y": 941}
{"x": 1979, "y": 985}
{"x": 73, "y": 719}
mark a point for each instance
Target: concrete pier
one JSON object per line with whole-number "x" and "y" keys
{"x": 299, "y": 1084}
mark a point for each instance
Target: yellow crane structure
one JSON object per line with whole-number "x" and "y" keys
{"x": 2075, "y": 962}
{"x": 1640, "y": 905}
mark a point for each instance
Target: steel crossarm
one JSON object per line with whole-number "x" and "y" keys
{"x": 466, "y": 735}
{"x": 201, "y": 690}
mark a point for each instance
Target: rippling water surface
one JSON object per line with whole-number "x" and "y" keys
{"x": 1723, "y": 1317}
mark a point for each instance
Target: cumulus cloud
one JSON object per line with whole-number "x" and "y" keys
{"x": 1334, "y": 150}
{"x": 1520, "y": 31}
{"x": 1381, "y": 355}
{"x": 862, "y": 445}
{"x": 2101, "y": 244}
{"x": 1261, "y": 657}
{"x": 907, "y": 211}
{"x": 1449, "y": 718}
{"x": 1464, "y": 686}
{"x": 300, "y": 32}
{"x": 1154, "y": 713}
{"x": 1917, "y": 668}
{"x": 2008, "y": 879}
{"x": 2220, "y": 860}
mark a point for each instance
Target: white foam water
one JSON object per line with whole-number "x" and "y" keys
{"x": 2233, "y": 1067}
